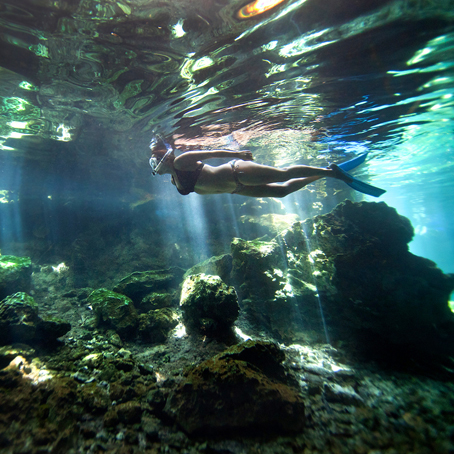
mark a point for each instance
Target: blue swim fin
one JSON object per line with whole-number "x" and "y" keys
{"x": 356, "y": 184}
{"x": 355, "y": 162}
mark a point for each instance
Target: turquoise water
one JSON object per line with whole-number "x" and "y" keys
{"x": 85, "y": 85}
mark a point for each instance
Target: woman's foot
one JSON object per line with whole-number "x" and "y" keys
{"x": 340, "y": 174}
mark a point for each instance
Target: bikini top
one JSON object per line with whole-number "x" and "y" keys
{"x": 188, "y": 179}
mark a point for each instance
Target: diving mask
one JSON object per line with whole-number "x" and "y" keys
{"x": 156, "y": 163}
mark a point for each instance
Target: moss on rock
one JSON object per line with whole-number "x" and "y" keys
{"x": 114, "y": 311}
{"x": 15, "y": 274}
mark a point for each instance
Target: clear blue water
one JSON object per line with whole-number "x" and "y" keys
{"x": 84, "y": 85}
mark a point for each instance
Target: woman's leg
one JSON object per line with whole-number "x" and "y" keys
{"x": 253, "y": 174}
{"x": 276, "y": 190}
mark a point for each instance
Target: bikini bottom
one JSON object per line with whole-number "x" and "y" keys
{"x": 239, "y": 186}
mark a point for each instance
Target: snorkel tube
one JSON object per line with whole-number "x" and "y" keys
{"x": 154, "y": 163}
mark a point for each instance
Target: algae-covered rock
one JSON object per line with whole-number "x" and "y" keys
{"x": 153, "y": 301}
{"x": 155, "y": 325}
{"x": 140, "y": 283}
{"x": 244, "y": 389}
{"x": 15, "y": 275}
{"x": 9, "y": 352}
{"x": 260, "y": 276}
{"x": 209, "y": 305}
{"x": 20, "y": 322}
{"x": 381, "y": 287}
{"x": 257, "y": 268}
{"x": 115, "y": 311}
{"x": 18, "y": 318}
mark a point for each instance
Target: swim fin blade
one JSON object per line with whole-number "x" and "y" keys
{"x": 356, "y": 184}
{"x": 365, "y": 188}
{"x": 355, "y": 162}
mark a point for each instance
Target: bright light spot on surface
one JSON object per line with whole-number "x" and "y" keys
{"x": 270, "y": 46}
{"x": 256, "y": 7}
{"x": 65, "y": 135}
{"x": 177, "y": 29}
{"x": 202, "y": 63}
{"x": 18, "y": 124}
{"x": 60, "y": 268}
{"x": 34, "y": 372}
{"x": 7, "y": 264}
{"x": 179, "y": 331}
{"x": 27, "y": 86}
{"x": 288, "y": 289}
{"x": 451, "y": 305}
{"x": 304, "y": 44}
{"x": 419, "y": 56}
{"x": 240, "y": 333}
{"x": 160, "y": 377}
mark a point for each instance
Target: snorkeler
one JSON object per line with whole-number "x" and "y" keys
{"x": 242, "y": 176}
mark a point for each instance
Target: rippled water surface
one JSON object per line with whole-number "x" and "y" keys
{"x": 84, "y": 85}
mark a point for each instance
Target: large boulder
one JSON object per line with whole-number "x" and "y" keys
{"x": 155, "y": 325}
{"x": 259, "y": 274}
{"x": 18, "y": 318}
{"x": 114, "y": 311}
{"x": 382, "y": 291}
{"x": 139, "y": 284}
{"x": 209, "y": 306}
{"x": 20, "y": 322}
{"x": 242, "y": 390}
{"x": 350, "y": 274}
{"x": 15, "y": 275}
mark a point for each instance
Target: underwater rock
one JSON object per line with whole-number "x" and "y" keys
{"x": 209, "y": 305}
{"x": 20, "y": 322}
{"x": 355, "y": 266}
{"x": 15, "y": 275}
{"x": 267, "y": 224}
{"x": 9, "y": 352}
{"x": 18, "y": 318}
{"x": 154, "y": 301}
{"x": 155, "y": 325}
{"x": 256, "y": 264}
{"x": 52, "y": 328}
{"x": 139, "y": 284}
{"x": 260, "y": 275}
{"x": 243, "y": 390}
{"x": 216, "y": 266}
{"x": 114, "y": 311}
{"x": 383, "y": 290}
{"x": 372, "y": 290}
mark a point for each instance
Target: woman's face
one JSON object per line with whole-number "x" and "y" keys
{"x": 161, "y": 163}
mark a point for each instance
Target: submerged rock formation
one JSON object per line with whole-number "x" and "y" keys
{"x": 20, "y": 322}
{"x": 243, "y": 389}
{"x": 354, "y": 265}
{"x": 15, "y": 275}
{"x": 114, "y": 311}
{"x": 209, "y": 306}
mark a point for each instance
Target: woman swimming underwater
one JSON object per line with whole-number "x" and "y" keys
{"x": 243, "y": 176}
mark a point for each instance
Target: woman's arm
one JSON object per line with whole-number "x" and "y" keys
{"x": 190, "y": 159}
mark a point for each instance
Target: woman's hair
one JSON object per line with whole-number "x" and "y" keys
{"x": 159, "y": 151}
{"x": 158, "y": 146}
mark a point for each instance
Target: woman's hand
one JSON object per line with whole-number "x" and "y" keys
{"x": 245, "y": 155}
